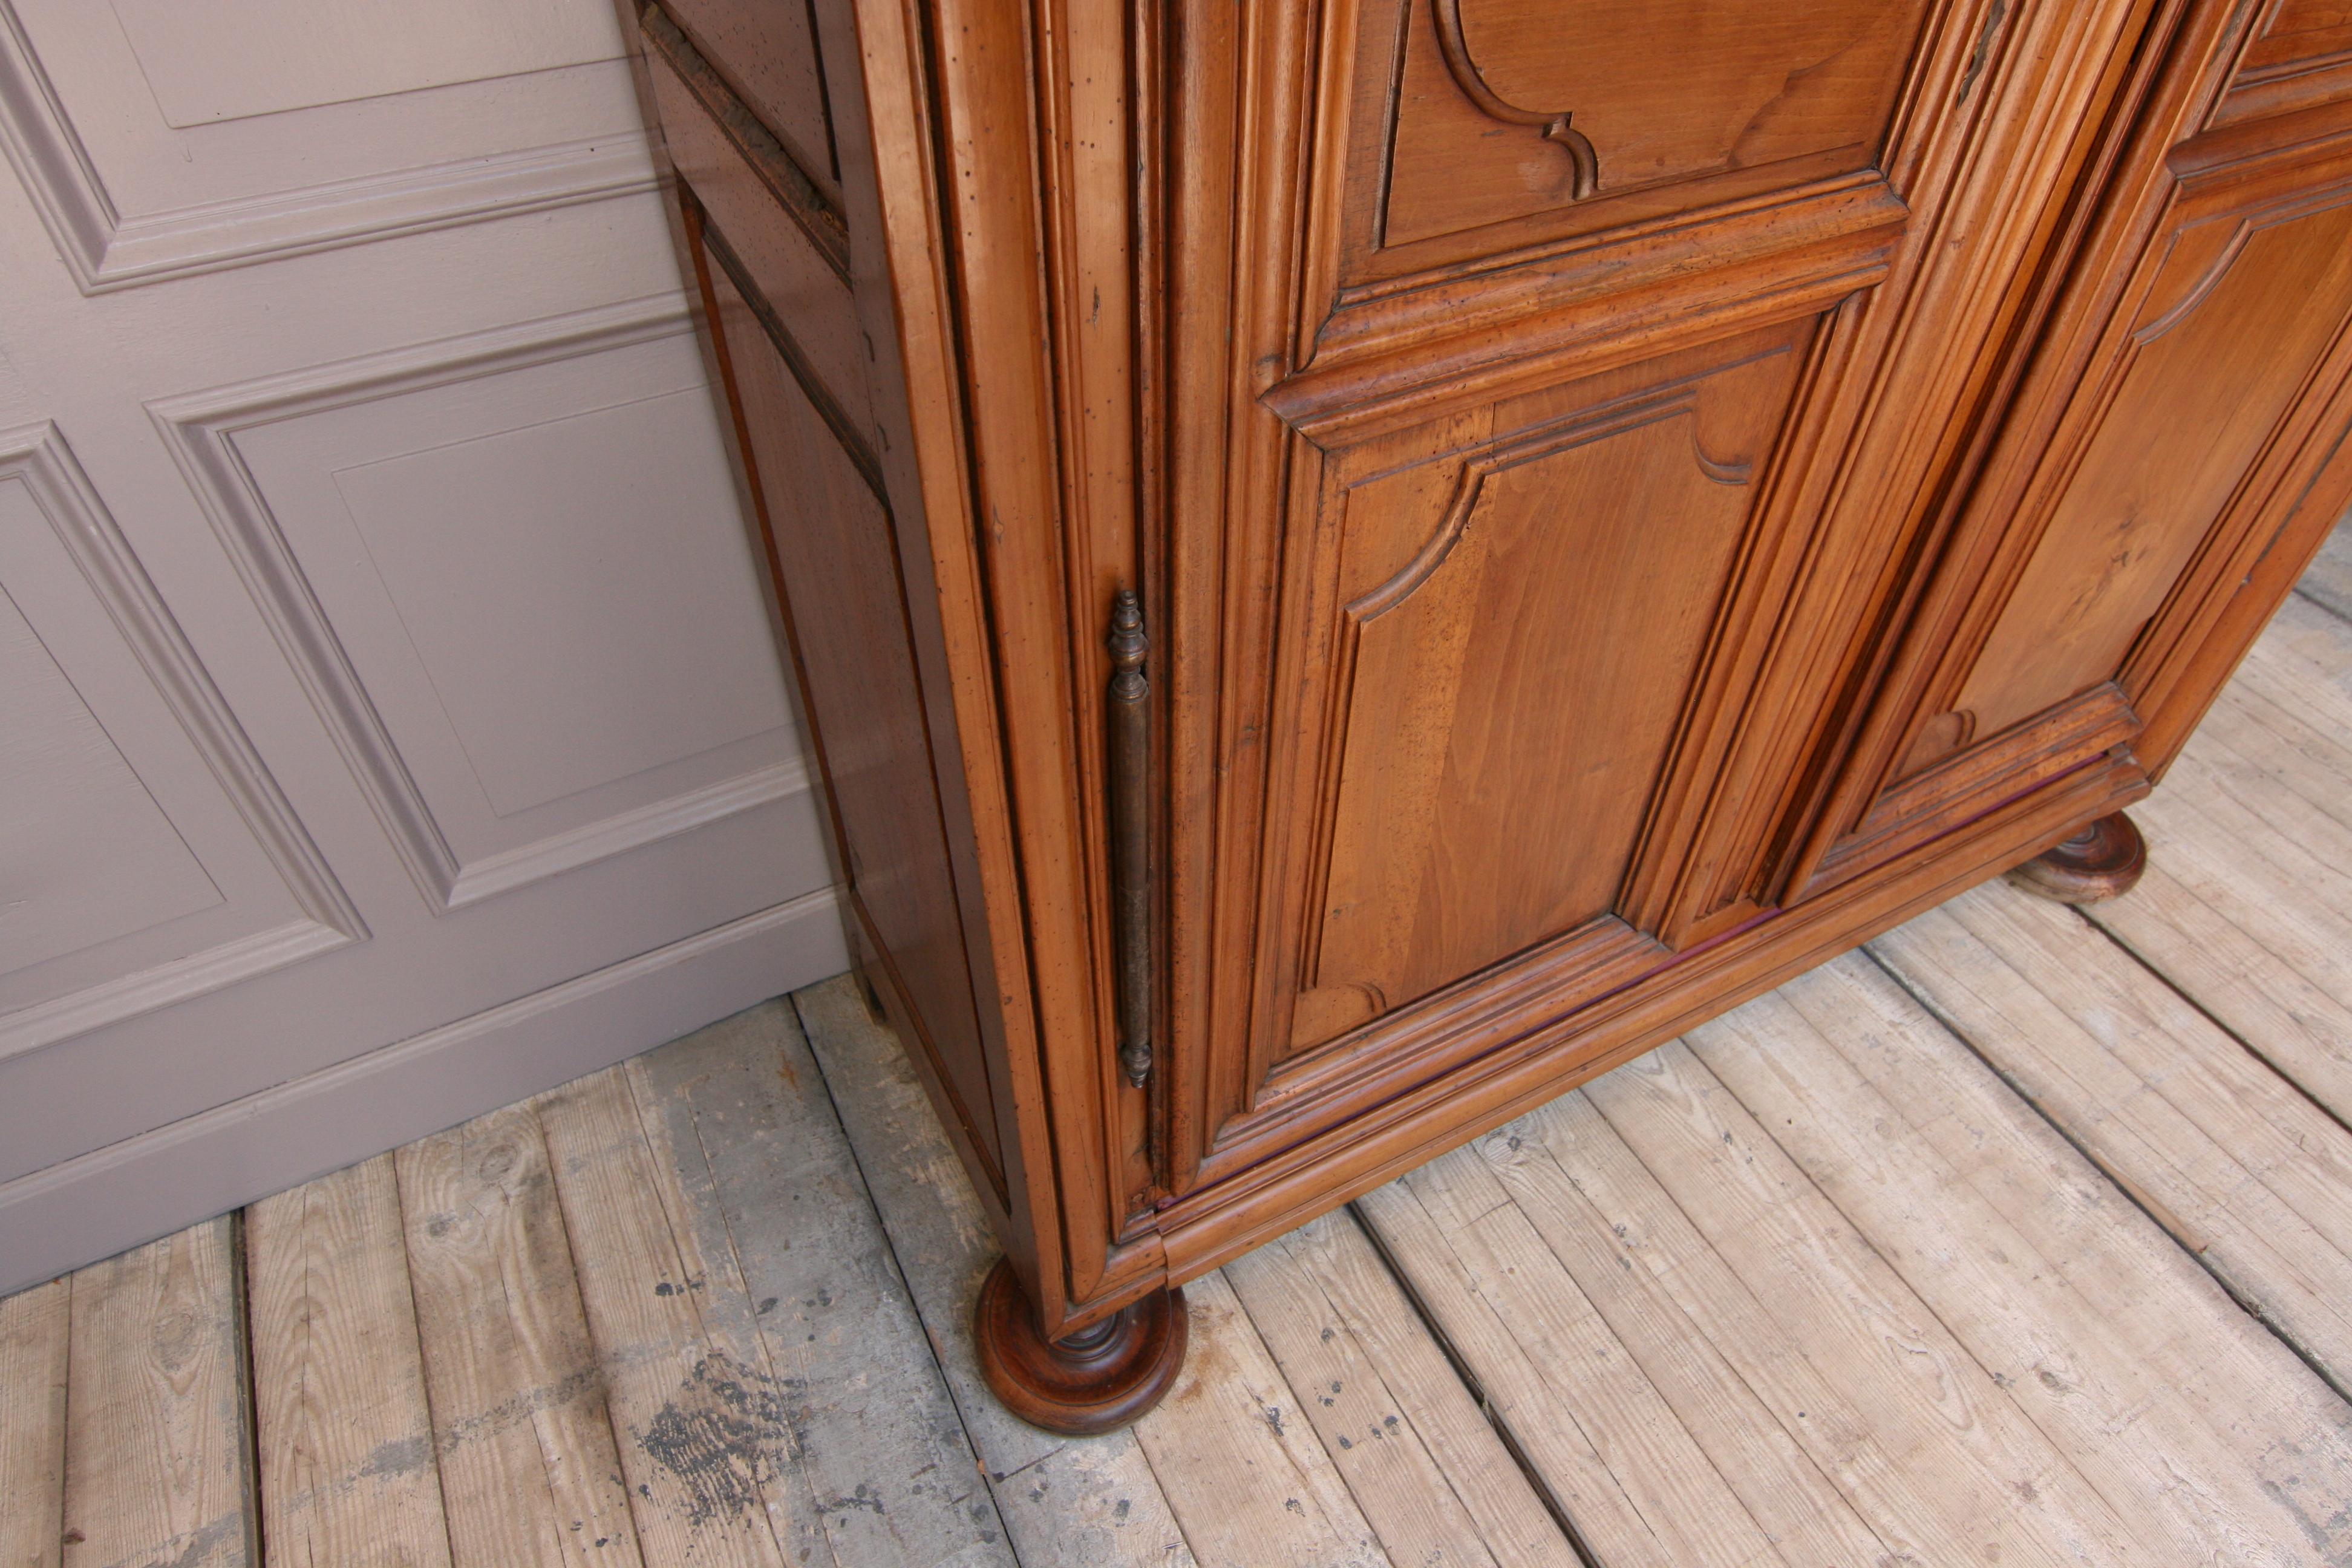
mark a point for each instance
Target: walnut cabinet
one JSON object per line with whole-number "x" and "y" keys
{"x": 1353, "y": 563}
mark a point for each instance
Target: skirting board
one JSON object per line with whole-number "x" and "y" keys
{"x": 98, "y": 1204}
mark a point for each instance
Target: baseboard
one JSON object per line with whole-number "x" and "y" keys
{"x": 98, "y": 1204}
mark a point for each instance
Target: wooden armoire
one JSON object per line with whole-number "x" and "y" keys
{"x": 1354, "y": 564}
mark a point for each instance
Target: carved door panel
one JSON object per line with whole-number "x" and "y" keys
{"x": 1512, "y": 628}
{"x": 1535, "y": 512}
{"x": 2113, "y": 530}
{"x": 1508, "y": 113}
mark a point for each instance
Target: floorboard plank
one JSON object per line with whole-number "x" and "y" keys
{"x": 712, "y": 1474}
{"x": 2000, "y": 1485}
{"x": 2088, "y": 1373}
{"x": 2308, "y": 641}
{"x": 1426, "y": 1469}
{"x": 156, "y": 1464}
{"x": 34, "y": 1329}
{"x": 1619, "y": 1467}
{"x": 1788, "y": 1494}
{"x": 2327, "y": 581}
{"x": 2244, "y": 906}
{"x": 2244, "y": 1170}
{"x": 1248, "y": 1480}
{"x": 2247, "y": 780}
{"x": 343, "y": 1439}
{"x": 894, "y": 1475}
{"x": 2282, "y": 711}
{"x": 2289, "y": 1428}
{"x": 1089, "y": 1502}
{"x": 1912, "y": 1476}
{"x": 1093, "y": 1500}
{"x": 529, "y": 1473}
{"x": 2265, "y": 979}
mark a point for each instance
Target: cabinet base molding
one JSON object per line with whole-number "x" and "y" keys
{"x": 2103, "y": 861}
{"x": 1097, "y": 1380}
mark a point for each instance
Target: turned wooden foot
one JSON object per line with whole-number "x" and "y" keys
{"x": 2102, "y": 861}
{"x": 1095, "y": 1381}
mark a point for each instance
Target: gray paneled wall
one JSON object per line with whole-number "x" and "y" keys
{"x": 390, "y": 723}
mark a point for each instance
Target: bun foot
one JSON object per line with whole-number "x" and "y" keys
{"x": 1098, "y": 1379}
{"x": 2103, "y": 861}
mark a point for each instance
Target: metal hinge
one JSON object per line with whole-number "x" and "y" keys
{"x": 1129, "y": 728}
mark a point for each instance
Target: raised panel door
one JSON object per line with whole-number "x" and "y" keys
{"x": 2240, "y": 316}
{"x": 2192, "y": 397}
{"x": 1592, "y": 373}
{"x": 1519, "y": 624}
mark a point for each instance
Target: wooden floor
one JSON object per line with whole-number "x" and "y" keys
{"x": 2023, "y": 1239}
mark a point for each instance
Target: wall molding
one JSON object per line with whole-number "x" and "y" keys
{"x": 38, "y": 456}
{"x": 105, "y": 249}
{"x": 626, "y": 830}
{"x": 201, "y": 430}
{"x": 98, "y": 1204}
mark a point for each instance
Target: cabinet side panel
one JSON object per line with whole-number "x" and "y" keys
{"x": 836, "y": 556}
{"x": 767, "y": 52}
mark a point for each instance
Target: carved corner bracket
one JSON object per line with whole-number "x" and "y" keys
{"x": 1554, "y": 123}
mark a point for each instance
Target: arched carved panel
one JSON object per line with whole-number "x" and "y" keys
{"x": 1522, "y": 623}
{"x": 1617, "y": 96}
{"x": 1472, "y": 79}
{"x": 2231, "y": 333}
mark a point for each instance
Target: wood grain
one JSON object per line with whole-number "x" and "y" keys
{"x": 1524, "y": 596}
{"x": 1618, "y": 1466}
{"x": 2209, "y": 381}
{"x": 343, "y": 1439}
{"x": 1250, "y": 1482}
{"x": 155, "y": 1464}
{"x": 712, "y": 1471}
{"x": 2088, "y": 1370}
{"x": 35, "y": 1332}
{"x": 2246, "y": 906}
{"x": 1777, "y": 1483}
{"x": 1746, "y": 1373}
{"x": 1746, "y": 100}
{"x": 1999, "y": 1483}
{"x": 1432, "y": 1479}
{"x": 894, "y": 1477}
{"x": 1086, "y": 1499}
{"x": 2150, "y": 1294}
{"x": 530, "y": 1472}
{"x": 2245, "y": 1171}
